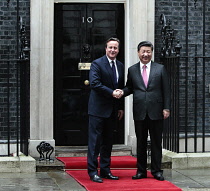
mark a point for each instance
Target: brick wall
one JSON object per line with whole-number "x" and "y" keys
{"x": 178, "y": 12}
{"x": 174, "y": 10}
{"x": 8, "y": 70}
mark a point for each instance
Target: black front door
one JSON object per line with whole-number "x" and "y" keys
{"x": 80, "y": 34}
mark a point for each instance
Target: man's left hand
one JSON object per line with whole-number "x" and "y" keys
{"x": 120, "y": 114}
{"x": 166, "y": 113}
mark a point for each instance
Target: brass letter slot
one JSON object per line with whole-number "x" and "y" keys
{"x": 84, "y": 66}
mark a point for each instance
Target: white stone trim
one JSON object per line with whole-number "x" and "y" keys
{"x": 23, "y": 164}
{"x": 186, "y": 160}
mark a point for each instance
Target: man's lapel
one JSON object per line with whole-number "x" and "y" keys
{"x": 152, "y": 71}
{"x": 139, "y": 76}
{"x": 120, "y": 71}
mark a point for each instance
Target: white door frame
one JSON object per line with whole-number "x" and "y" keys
{"x": 139, "y": 25}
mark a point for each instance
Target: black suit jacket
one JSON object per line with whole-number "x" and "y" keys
{"x": 101, "y": 103}
{"x": 153, "y": 99}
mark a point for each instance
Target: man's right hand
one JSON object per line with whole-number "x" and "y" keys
{"x": 118, "y": 93}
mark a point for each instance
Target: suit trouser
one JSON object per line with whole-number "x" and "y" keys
{"x": 155, "y": 128}
{"x": 100, "y": 140}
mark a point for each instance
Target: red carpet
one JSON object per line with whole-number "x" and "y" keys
{"x": 125, "y": 183}
{"x": 125, "y": 163}
{"x": 81, "y": 162}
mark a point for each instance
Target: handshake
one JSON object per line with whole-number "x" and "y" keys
{"x": 118, "y": 93}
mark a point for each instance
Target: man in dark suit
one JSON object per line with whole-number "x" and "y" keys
{"x": 149, "y": 84}
{"x": 106, "y": 74}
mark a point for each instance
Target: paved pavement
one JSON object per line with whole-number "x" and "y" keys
{"x": 58, "y": 180}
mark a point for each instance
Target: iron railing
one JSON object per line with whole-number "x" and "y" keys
{"x": 14, "y": 91}
{"x": 187, "y": 129}
{"x": 171, "y": 125}
{"x": 15, "y": 107}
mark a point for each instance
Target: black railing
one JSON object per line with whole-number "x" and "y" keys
{"x": 14, "y": 89}
{"x": 187, "y": 129}
{"x": 171, "y": 130}
{"x": 15, "y": 107}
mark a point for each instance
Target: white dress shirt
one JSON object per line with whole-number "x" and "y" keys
{"x": 147, "y": 68}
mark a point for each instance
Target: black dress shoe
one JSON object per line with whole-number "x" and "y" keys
{"x": 158, "y": 176}
{"x": 110, "y": 176}
{"x": 139, "y": 176}
{"x": 96, "y": 178}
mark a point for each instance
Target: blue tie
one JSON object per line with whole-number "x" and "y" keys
{"x": 114, "y": 74}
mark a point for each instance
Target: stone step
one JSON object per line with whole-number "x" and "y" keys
{"x": 21, "y": 163}
{"x": 81, "y": 151}
{"x": 75, "y": 151}
{"x": 46, "y": 166}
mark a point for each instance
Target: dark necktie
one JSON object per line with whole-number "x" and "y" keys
{"x": 114, "y": 74}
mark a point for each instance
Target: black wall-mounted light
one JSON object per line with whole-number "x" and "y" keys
{"x": 168, "y": 39}
{"x": 24, "y": 46}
